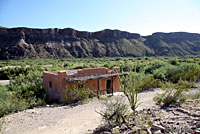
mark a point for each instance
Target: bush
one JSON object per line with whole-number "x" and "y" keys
{"x": 186, "y": 71}
{"x": 115, "y": 112}
{"x": 154, "y": 66}
{"x": 75, "y": 94}
{"x": 30, "y": 88}
{"x": 10, "y": 102}
{"x": 173, "y": 93}
{"x": 8, "y": 73}
{"x": 150, "y": 82}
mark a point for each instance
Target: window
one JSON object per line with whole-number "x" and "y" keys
{"x": 50, "y": 84}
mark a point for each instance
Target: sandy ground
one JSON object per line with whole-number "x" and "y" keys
{"x": 80, "y": 119}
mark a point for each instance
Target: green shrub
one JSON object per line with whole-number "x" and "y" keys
{"x": 173, "y": 92}
{"x": 149, "y": 82}
{"x": 154, "y": 66}
{"x": 75, "y": 94}
{"x": 164, "y": 73}
{"x": 126, "y": 68}
{"x": 186, "y": 71}
{"x": 30, "y": 88}
{"x": 10, "y": 102}
{"x": 7, "y": 73}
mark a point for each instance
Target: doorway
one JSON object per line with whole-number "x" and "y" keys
{"x": 109, "y": 86}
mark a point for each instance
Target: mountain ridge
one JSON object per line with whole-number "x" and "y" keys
{"x": 23, "y": 42}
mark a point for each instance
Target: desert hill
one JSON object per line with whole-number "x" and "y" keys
{"x": 24, "y": 42}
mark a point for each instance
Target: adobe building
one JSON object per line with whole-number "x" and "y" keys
{"x": 99, "y": 80}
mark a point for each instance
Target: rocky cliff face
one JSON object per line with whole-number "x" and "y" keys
{"x": 63, "y": 43}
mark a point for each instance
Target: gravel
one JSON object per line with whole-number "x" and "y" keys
{"x": 71, "y": 119}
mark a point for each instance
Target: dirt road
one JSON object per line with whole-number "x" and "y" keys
{"x": 80, "y": 119}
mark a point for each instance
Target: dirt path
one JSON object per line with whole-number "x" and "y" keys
{"x": 81, "y": 119}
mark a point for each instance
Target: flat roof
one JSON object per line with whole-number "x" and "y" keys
{"x": 93, "y": 77}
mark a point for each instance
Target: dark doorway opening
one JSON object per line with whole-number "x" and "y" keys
{"x": 50, "y": 84}
{"x": 109, "y": 86}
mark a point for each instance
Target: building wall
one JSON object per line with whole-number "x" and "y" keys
{"x": 59, "y": 84}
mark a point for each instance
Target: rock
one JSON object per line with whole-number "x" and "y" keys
{"x": 64, "y": 43}
{"x": 183, "y": 111}
{"x": 197, "y": 131}
{"x": 123, "y": 127}
{"x": 171, "y": 122}
{"x": 116, "y": 130}
{"x": 105, "y": 132}
{"x": 198, "y": 124}
{"x": 157, "y": 127}
{"x": 156, "y": 132}
{"x": 195, "y": 115}
{"x": 135, "y": 129}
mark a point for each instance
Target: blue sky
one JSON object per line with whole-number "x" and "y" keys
{"x": 136, "y": 16}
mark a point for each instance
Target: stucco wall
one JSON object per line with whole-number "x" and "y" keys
{"x": 59, "y": 84}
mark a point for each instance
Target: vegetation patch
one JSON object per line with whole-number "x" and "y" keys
{"x": 75, "y": 93}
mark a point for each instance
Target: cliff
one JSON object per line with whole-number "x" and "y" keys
{"x": 63, "y": 43}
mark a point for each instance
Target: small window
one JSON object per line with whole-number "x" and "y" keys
{"x": 50, "y": 84}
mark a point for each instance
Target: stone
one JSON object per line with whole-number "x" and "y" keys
{"x": 183, "y": 111}
{"x": 156, "y": 132}
{"x": 116, "y": 130}
{"x": 198, "y": 124}
{"x": 105, "y": 132}
{"x": 123, "y": 126}
{"x": 157, "y": 127}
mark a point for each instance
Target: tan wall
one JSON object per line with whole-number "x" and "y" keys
{"x": 59, "y": 84}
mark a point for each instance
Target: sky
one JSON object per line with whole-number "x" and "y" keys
{"x": 136, "y": 16}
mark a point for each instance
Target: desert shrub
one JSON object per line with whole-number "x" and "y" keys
{"x": 167, "y": 73}
{"x": 108, "y": 65}
{"x": 8, "y": 73}
{"x": 149, "y": 82}
{"x": 75, "y": 94}
{"x": 190, "y": 71}
{"x": 154, "y": 66}
{"x": 174, "y": 61}
{"x": 186, "y": 71}
{"x": 81, "y": 67}
{"x": 144, "y": 81}
{"x": 126, "y": 67}
{"x": 115, "y": 111}
{"x": 10, "y": 102}
{"x": 173, "y": 93}
{"x": 30, "y": 88}
{"x": 141, "y": 121}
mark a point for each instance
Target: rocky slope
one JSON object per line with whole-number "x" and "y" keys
{"x": 18, "y": 43}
